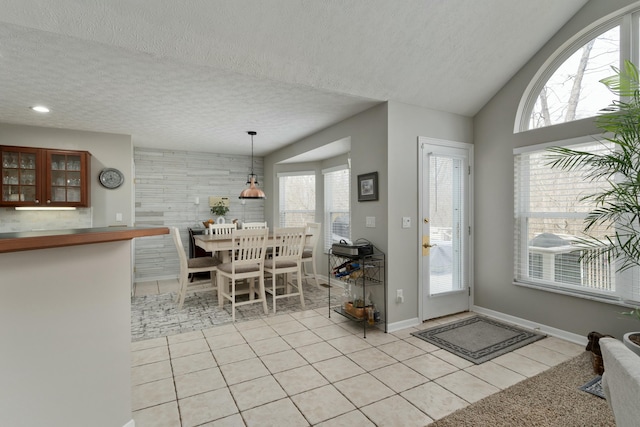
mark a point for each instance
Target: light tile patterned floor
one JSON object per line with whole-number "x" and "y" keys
{"x": 302, "y": 368}
{"x": 155, "y": 314}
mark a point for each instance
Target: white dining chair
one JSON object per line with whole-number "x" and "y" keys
{"x": 309, "y": 253}
{"x": 192, "y": 265}
{"x": 222, "y": 228}
{"x": 288, "y": 244}
{"x": 247, "y": 262}
{"x": 253, "y": 225}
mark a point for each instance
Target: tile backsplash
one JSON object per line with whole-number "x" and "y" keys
{"x": 12, "y": 220}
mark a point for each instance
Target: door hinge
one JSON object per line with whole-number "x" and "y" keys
{"x": 469, "y": 170}
{"x": 469, "y": 230}
{"x": 469, "y": 291}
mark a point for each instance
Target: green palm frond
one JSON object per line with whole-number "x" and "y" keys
{"x": 619, "y": 202}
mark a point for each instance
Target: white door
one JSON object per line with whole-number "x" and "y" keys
{"x": 445, "y": 240}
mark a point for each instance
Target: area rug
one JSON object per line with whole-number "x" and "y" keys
{"x": 552, "y": 398}
{"x": 478, "y": 339}
{"x": 594, "y": 387}
{"x": 155, "y": 316}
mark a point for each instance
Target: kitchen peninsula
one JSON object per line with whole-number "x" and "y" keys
{"x": 65, "y": 326}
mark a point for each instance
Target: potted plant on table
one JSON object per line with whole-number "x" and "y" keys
{"x": 618, "y": 202}
{"x": 220, "y": 209}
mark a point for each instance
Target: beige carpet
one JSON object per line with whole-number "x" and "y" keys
{"x": 552, "y": 398}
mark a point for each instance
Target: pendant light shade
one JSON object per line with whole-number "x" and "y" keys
{"x": 252, "y": 192}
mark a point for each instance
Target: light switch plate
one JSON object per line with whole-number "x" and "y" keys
{"x": 370, "y": 222}
{"x": 406, "y": 222}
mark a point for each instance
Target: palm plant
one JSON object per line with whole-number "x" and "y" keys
{"x": 618, "y": 202}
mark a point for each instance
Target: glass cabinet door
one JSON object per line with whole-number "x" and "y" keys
{"x": 19, "y": 176}
{"x": 65, "y": 178}
{"x": 43, "y": 177}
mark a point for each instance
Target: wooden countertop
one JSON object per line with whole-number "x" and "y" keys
{"x": 31, "y": 240}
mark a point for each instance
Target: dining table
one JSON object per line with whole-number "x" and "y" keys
{"x": 221, "y": 243}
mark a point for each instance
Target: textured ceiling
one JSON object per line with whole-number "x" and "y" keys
{"x": 196, "y": 75}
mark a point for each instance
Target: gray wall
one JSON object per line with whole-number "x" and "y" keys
{"x": 166, "y": 186}
{"x": 107, "y": 150}
{"x": 383, "y": 139}
{"x": 406, "y": 124}
{"x": 494, "y": 143}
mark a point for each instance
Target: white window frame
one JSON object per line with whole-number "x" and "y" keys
{"x": 626, "y": 283}
{"x": 629, "y": 20}
{"x": 281, "y": 196}
{"x": 328, "y": 208}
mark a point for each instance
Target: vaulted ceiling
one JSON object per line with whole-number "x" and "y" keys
{"x": 196, "y": 75}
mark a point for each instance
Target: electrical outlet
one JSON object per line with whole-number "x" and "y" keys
{"x": 406, "y": 222}
{"x": 118, "y": 217}
{"x": 399, "y": 296}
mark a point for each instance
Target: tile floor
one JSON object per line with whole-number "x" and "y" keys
{"x": 154, "y": 312}
{"x": 303, "y": 368}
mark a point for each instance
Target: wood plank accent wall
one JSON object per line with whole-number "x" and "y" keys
{"x": 166, "y": 186}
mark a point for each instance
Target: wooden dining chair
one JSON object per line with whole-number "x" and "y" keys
{"x": 192, "y": 265}
{"x": 223, "y": 228}
{"x": 288, "y": 244}
{"x": 309, "y": 253}
{"x": 253, "y": 225}
{"x": 247, "y": 262}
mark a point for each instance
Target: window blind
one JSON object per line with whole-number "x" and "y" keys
{"x": 297, "y": 198}
{"x": 549, "y": 214}
{"x": 337, "y": 214}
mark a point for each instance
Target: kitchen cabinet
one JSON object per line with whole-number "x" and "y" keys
{"x": 40, "y": 177}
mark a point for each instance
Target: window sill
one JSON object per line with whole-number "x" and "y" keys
{"x": 613, "y": 300}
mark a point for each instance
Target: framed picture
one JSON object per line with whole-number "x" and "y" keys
{"x": 368, "y": 187}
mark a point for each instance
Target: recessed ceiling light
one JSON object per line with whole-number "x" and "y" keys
{"x": 40, "y": 109}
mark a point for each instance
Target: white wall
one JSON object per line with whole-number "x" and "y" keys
{"x": 107, "y": 150}
{"x": 494, "y": 237}
{"x": 167, "y": 184}
{"x": 65, "y": 325}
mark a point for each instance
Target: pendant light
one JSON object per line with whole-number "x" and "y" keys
{"x": 252, "y": 192}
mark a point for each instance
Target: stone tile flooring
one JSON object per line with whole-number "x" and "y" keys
{"x": 302, "y": 368}
{"x": 155, "y": 314}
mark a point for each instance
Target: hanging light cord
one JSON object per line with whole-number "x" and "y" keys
{"x": 252, "y": 133}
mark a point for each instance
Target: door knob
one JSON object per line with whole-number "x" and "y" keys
{"x": 426, "y": 245}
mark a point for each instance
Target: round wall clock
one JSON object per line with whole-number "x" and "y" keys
{"x": 111, "y": 178}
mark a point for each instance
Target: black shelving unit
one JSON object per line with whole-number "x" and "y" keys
{"x": 369, "y": 273}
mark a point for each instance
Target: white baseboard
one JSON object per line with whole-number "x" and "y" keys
{"x": 409, "y": 323}
{"x": 131, "y": 423}
{"x": 559, "y": 333}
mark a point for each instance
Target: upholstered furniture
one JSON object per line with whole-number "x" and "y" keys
{"x": 246, "y": 262}
{"x": 191, "y": 266}
{"x": 288, "y": 244}
{"x": 621, "y": 381}
{"x": 309, "y": 252}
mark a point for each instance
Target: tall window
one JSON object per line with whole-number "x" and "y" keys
{"x": 574, "y": 90}
{"x": 297, "y": 198}
{"x": 549, "y": 219}
{"x": 337, "y": 215}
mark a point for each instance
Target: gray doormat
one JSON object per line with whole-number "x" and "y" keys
{"x": 594, "y": 387}
{"x": 478, "y": 339}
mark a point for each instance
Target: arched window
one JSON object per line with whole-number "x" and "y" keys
{"x": 574, "y": 90}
